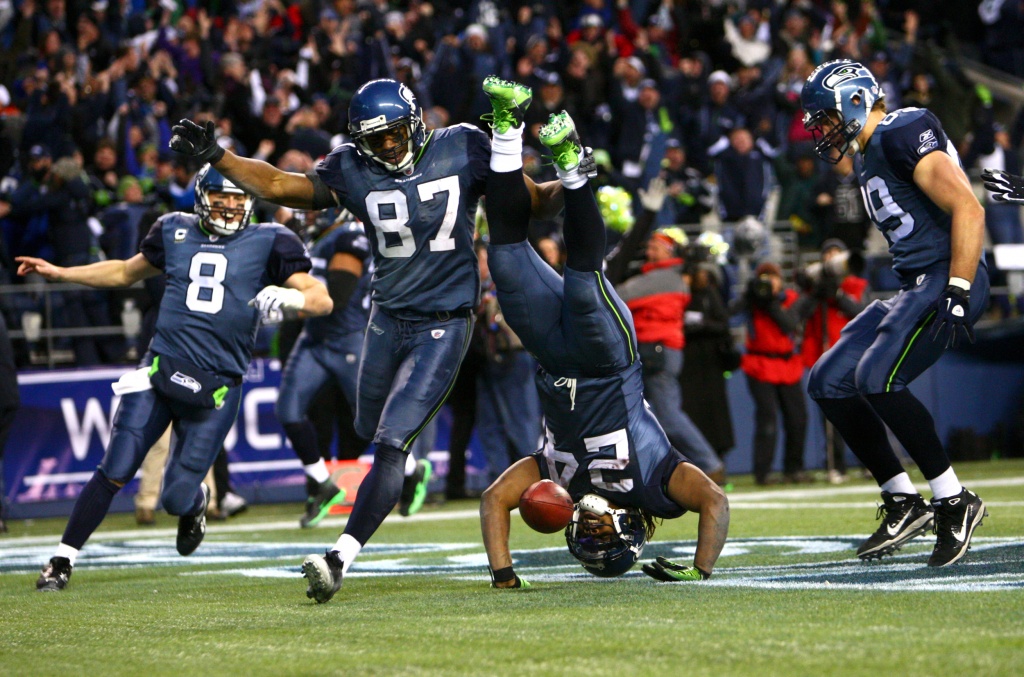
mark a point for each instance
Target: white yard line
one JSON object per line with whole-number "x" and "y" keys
{"x": 754, "y": 500}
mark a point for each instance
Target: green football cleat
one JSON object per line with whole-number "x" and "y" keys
{"x": 319, "y": 505}
{"x": 414, "y": 489}
{"x": 559, "y": 134}
{"x": 509, "y": 101}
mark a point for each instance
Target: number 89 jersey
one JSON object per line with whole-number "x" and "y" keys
{"x": 205, "y": 316}
{"x": 420, "y": 224}
{"x": 600, "y": 438}
{"x": 918, "y": 230}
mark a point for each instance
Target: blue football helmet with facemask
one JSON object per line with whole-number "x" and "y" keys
{"x": 605, "y": 550}
{"x": 386, "y": 106}
{"x": 836, "y": 99}
{"x": 221, "y": 220}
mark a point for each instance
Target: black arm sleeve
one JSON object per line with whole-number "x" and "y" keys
{"x": 341, "y": 284}
{"x": 323, "y": 196}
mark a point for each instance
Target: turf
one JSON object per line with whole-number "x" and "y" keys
{"x": 786, "y": 598}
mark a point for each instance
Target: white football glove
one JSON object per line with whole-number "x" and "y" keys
{"x": 272, "y": 300}
{"x": 653, "y": 198}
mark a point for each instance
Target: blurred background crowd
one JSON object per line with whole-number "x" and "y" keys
{"x": 692, "y": 109}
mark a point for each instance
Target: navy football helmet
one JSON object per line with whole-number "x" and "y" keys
{"x": 208, "y": 181}
{"x": 388, "y": 106}
{"x": 836, "y": 99}
{"x": 605, "y": 550}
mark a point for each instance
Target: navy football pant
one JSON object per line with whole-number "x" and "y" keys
{"x": 860, "y": 383}
{"x": 408, "y": 369}
{"x": 143, "y": 417}
{"x": 309, "y": 367}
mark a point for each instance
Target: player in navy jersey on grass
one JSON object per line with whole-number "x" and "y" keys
{"x": 602, "y": 443}
{"x": 918, "y": 196}
{"x": 417, "y": 193}
{"x": 222, "y": 273}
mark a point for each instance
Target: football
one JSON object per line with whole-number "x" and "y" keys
{"x": 546, "y": 507}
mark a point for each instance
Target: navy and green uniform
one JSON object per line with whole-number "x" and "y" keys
{"x": 204, "y": 319}
{"x": 887, "y": 346}
{"x": 329, "y": 346}
{"x": 600, "y": 435}
{"x": 425, "y": 285}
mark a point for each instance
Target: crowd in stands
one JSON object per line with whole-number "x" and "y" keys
{"x": 703, "y": 94}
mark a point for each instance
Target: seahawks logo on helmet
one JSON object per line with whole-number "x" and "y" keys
{"x": 839, "y": 76}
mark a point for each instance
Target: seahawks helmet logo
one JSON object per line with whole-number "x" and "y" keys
{"x": 840, "y": 75}
{"x": 407, "y": 96}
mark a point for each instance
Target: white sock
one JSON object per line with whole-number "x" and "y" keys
{"x": 410, "y": 465}
{"x": 507, "y": 150}
{"x": 317, "y": 471}
{"x": 900, "y": 484}
{"x": 348, "y": 548}
{"x": 945, "y": 485}
{"x": 64, "y": 550}
{"x": 571, "y": 178}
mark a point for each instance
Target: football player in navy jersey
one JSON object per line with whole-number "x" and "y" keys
{"x": 222, "y": 273}
{"x": 416, "y": 192}
{"x": 602, "y": 443}
{"x": 327, "y": 348}
{"x": 918, "y": 196}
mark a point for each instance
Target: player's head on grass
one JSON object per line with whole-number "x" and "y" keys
{"x": 605, "y": 539}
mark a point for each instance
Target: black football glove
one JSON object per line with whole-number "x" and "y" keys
{"x": 952, "y": 316}
{"x": 663, "y": 569}
{"x": 199, "y": 142}
{"x": 588, "y": 165}
{"x": 1004, "y": 187}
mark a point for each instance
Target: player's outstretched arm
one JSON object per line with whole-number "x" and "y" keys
{"x": 694, "y": 491}
{"x": 546, "y": 199}
{"x": 301, "y": 293}
{"x": 103, "y": 274}
{"x": 253, "y": 176}
{"x": 495, "y": 505}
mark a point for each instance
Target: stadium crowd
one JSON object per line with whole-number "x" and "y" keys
{"x": 702, "y": 98}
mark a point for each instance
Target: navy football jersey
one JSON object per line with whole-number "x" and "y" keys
{"x": 347, "y": 238}
{"x": 205, "y": 316}
{"x": 420, "y": 225}
{"x": 918, "y": 231}
{"x": 601, "y": 438}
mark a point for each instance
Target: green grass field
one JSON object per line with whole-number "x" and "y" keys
{"x": 786, "y": 598}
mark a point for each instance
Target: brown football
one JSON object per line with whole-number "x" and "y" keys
{"x": 546, "y": 507}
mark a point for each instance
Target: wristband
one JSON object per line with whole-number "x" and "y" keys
{"x": 960, "y": 282}
{"x": 214, "y": 154}
{"x": 503, "y": 575}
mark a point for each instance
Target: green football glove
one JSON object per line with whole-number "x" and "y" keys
{"x": 666, "y": 570}
{"x": 521, "y": 584}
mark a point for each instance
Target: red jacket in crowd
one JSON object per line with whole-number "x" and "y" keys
{"x": 658, "y": 298}
{"x": 853, "y": 287}
{"x": 771, "y": 354}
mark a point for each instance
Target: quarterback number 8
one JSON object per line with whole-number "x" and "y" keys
{"x": 205, "y": 294}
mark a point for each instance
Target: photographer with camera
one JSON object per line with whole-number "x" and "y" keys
{"x": 774, "y": 369}
{"x": 832, "y": 295}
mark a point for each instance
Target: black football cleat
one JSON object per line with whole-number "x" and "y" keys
{"x": 55, "y": 575}
{"x": 192, "y": 528}
{"x": 324, "y": 574}
{"x": 956, "y": 518}
{"x": 320, "y": 502}
{"x": 903, "y": 516}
